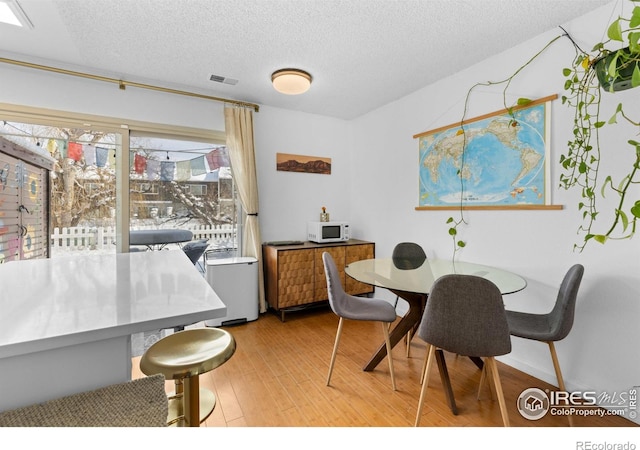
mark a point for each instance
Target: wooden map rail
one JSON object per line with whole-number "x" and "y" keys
{"x": 489, "y": 207}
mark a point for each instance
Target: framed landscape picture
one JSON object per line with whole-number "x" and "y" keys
{"x": 505, "y": 162}
{"x": 301, "y": 163}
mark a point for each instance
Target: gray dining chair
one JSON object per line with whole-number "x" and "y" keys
{"x": 408, "y": 256}
{"x": 465, "y": 315}
{"x": 350, "y": 307}
{"x": 554, "y": 325}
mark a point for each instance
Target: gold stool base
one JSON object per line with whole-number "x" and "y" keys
{"x": 207, "y": 405}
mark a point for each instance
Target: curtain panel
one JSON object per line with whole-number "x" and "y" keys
{"x": 239, "y": 131}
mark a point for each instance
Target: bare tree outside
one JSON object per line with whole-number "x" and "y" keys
{"x": 79, "y": 191}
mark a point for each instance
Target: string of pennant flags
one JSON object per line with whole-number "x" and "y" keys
{"x": 151, "y": 168}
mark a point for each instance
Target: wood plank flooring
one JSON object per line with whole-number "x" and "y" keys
{"x": 277, "y": 378}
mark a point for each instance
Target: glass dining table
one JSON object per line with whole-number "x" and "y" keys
{"x": 414, "y": 285}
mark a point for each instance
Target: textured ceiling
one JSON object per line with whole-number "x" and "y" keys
{"x": 361, "y": 53}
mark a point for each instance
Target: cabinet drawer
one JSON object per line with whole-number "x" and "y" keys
{"x": 338, "y": 254}
{"x": 295, "y": 278}
{"x": 358, "y": 253}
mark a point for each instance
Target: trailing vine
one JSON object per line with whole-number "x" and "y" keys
{"x": 589, "y": 75}
{"x": 456, "y": 222}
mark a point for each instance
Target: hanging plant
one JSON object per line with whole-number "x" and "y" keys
{"x": 591, "y": 75}
{"x": 586, "y": 79}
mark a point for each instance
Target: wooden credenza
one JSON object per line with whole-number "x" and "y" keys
{"x": 294, "y": 274}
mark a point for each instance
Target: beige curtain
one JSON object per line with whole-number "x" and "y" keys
{"x": 239, "y": 131}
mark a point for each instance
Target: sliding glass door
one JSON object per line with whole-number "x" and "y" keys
{"x": 177, "y": 183}
{"x": 101, "y": 182}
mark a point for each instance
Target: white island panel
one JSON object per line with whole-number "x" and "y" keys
{"x": 66, "y": 323}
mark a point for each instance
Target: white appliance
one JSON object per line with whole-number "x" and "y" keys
{"x": 235, "y": 280}
{"x": 322, "y": 232}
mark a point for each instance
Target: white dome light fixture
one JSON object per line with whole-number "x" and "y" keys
{"x": 291, "y": 81}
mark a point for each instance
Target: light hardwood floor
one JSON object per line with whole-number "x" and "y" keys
{"x": 277, "y": 378}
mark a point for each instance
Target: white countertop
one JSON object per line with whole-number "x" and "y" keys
{"x": 51, "y": 303}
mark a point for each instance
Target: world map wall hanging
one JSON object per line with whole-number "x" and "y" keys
{"x": 498, "y": 160}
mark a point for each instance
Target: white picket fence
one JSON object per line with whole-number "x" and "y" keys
{"x": 104, "y": 238}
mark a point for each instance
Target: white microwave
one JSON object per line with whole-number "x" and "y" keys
{"x": 322, "y": 232}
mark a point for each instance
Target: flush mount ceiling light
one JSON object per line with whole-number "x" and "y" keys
{"x": 12, "y": 13}
{"x": 291, "y": 81}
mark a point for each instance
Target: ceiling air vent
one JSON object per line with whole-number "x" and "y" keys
{"x": 225, "y": 80}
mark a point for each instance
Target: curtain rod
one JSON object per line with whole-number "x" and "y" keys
{"x": 123, "y": 84}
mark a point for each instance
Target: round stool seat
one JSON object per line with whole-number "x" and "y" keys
{"x": 188, "y": 353}
{"x": 183, "y": 356}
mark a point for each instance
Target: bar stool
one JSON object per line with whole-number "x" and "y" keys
{"x": 183, "y": 356}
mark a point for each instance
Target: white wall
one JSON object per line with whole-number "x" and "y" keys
{"x": 288, "y": 200}
{"x": 374, "y": 184}
{"x": 29, "y": 87}
{"x": 602, "y": 351}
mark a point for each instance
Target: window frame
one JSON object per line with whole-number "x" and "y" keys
{"x": 123, "y": 129}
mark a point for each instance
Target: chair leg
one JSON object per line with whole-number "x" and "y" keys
{"x": 385, "y": 329}
{"x": 424, "y": 364}
{"x": 335, "y": 349}
{"x": 483, "y": 380}
{"x": 556, "y": 367}
{"x": 493, "y": 370}
{"x": 424, "y": 379}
